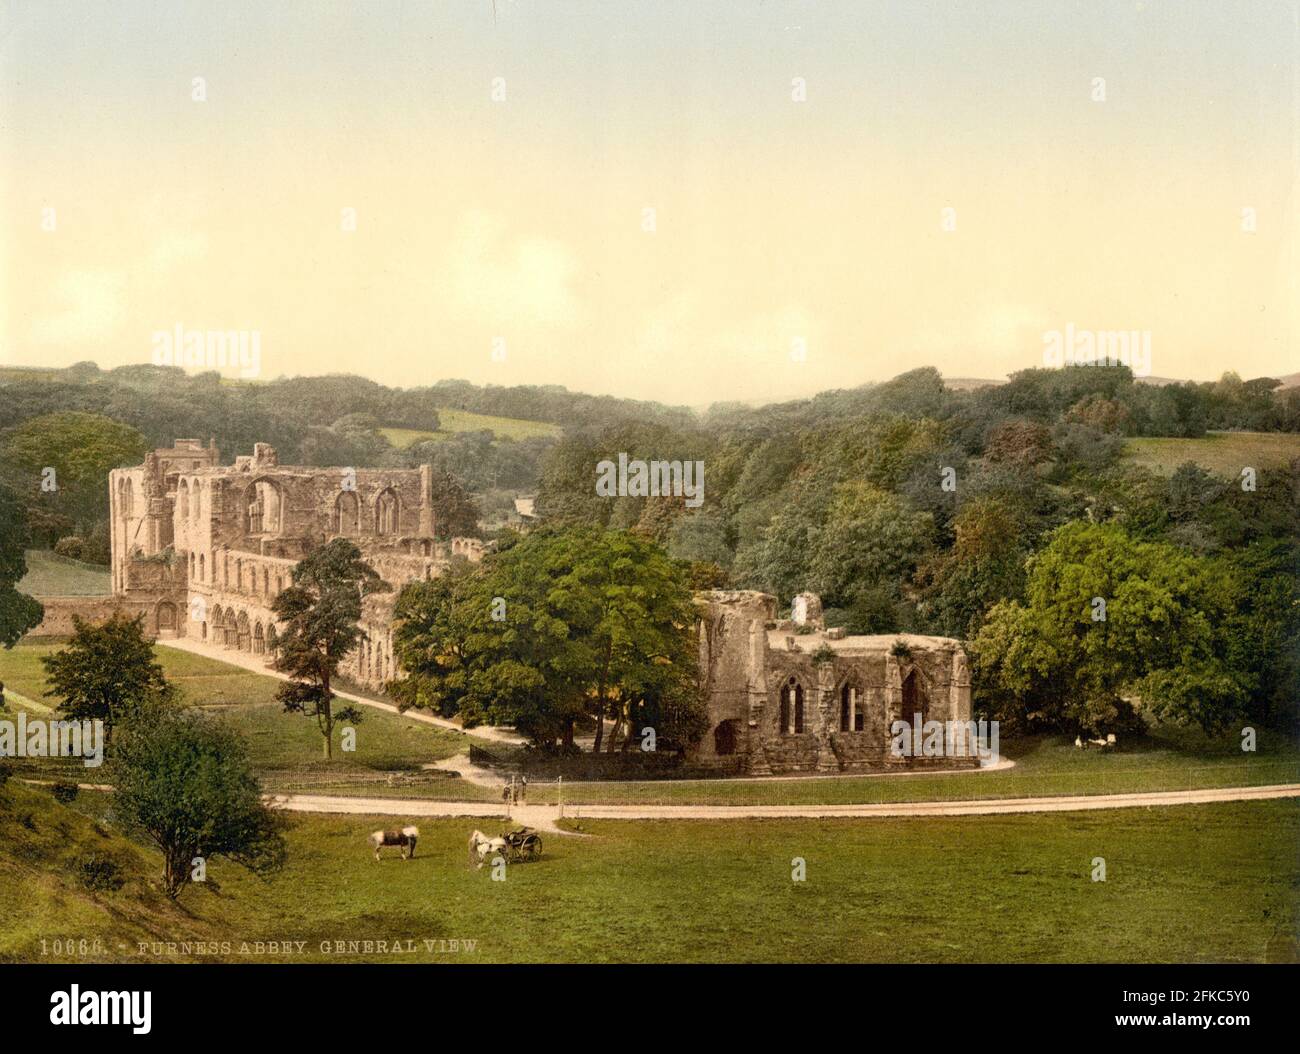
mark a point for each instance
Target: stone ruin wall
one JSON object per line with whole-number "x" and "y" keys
{"x": 748, "y": 660}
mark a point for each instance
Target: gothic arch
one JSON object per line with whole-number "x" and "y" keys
{"x": 263, "y": 507}
{"x": 347, "y": 513}
{"x": 852, "y": 699}
{"x": 388, "y": 511}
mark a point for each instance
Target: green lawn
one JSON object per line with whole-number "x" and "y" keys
{"x": 464, "y": 421}
{"x": 51, "y": 575}
{"x": 1225, "y": 453}
{"x": 1169, "y": 760}
{"x": 1186, "y": 884}
{"x": 287, "y": 748}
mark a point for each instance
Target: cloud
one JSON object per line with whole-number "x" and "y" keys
{"x": 91, "y": 306}
{"x": 508, "y": 281}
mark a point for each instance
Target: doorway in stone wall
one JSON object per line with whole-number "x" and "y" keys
{"x": 724, "y": 738}
{"x": 913, "y": 698}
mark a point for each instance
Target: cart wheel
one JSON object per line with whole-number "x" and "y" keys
{"x": 536, "y": 848}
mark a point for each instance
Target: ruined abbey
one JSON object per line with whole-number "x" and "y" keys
{"x": 202, "y": 549}
{"x": 793, "y": 696}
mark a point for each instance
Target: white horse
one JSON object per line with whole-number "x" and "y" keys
{"x": 483, "y": 848}
{"x": 405, "y": 838}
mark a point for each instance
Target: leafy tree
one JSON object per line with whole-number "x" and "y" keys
{"x": 18, "y": 611}
{"x": 319, "y": 614}
{"x": 984, "y": 565}
{"x": 106, "y": 670}
{"x": 81, "y": 448}
{"x": 557, "y": 623}
{"x": 455, "y": 513}
{"x": 1164, "y": 636}
{"x": 185, "y": 782}
{"x": 870, "y": 537}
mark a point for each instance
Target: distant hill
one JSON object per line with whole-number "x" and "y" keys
{"x": 1224, "y": 453}
{"x": 464, "y": 421}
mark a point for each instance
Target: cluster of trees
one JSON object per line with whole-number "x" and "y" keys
{"x": 909, "y": 506}
{"x": 182, "y": 780}
{"x": 67, "y": 429}
{"x": 557, "y": 626}
{"x": 18, "y": 612}
{"x": 331, "y": 420}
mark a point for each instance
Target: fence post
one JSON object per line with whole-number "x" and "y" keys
{"x": 559, "y": 791}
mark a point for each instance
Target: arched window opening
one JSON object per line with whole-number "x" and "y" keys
{"x": 347, "y": 513}
{"x": 792, "y": 707}
{"x": 853, "y": 717}
{"x": 387, "y": 512}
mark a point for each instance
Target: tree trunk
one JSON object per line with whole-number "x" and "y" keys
{"x": 173, "y": 875}
{"x": 600, "y": 698}
{"x": 329, "y": 719}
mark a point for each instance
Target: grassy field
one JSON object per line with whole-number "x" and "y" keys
{"x": 288, "y": 751}
{"x": 1225, "y": 453}
{"x": 464, "y": 421}
{"x": 286, "y": 748}
{"x": 51, "y": 575}
{"x": 1168, "y": 760}
{"x": 1187, "y": 884}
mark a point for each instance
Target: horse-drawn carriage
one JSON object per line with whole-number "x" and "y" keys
{"x": 523, "y": 843}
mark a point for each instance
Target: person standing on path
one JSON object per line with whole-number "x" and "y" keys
{"x": 523, "y": 789}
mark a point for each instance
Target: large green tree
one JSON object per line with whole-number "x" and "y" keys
{"x": 319, "y": 615}
{"x": 984, "y": 565}
{"x": 106, "y": 670}
{"x": 1107, "y": 622}
{"x": 559, "y": 623}
{"x": 185, "y": 782}
{"x": 18, "y": 611}
{"x": 61, "y": 462}
{"x": 870, "y": 538}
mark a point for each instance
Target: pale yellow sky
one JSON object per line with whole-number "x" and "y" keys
{"x": 525, "y": 220}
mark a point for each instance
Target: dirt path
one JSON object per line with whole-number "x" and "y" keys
{"x": 543, "y": 817}
{"x": 248, "y": 661}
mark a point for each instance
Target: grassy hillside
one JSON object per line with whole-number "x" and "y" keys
{"x": 464, "y": 421}
{"x": 1225, "y": 453}
{"x": 51, "y": 575}
{"x": 1196, "y": 883}
{"x": 72, "y": 889}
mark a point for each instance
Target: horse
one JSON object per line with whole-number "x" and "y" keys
{"x": 484, "y": 848}
{"x": 405, "y": 838}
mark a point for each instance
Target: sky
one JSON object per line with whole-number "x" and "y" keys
{"x": 689, "y": 202}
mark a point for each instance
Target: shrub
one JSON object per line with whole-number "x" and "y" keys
{"x": 70, "y": 546}
{"x": 65, "y": 791}
{"x": 100, "y": 874}
{"x": 823, "y": 654}
{"x": 6, "y": 771}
